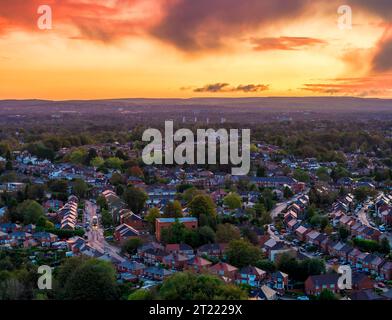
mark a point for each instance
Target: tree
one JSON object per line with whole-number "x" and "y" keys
{"x": 135, "y": 198}
{"x": 190, "y": 193}
{"x": 206, "y": 235}
{"x": 30, "y": 211}
{"x": 266, "y": 265}
{"x": 202, "y": 205}
{"x": 97, "y": 162}
{"x": 107, "y": 219}
{"x": 362, "y": 193}
{"x": 141, "y": 294}
{"x": 233, "y": 201}
{"x": 385, "y": 246}
{"x": 227, "y": 232}
{"x": 327, "y": 295}
{"x": 301, "y": 175}
{"x": 78, "y": 156}
{"x": 287, "y": 192}
{"x": 173, "y": 210}
{"x": 80, "y": 188}
{"x": 114, "y": 163}
{"x": 261, "y": 172}
{"x": 322, "y": 174}
{"x": 190, "y": 286}
{"x": 136, "y": 172}
{"x": 241, "y": 253}
{"x": 343, "y": 233}
{"x": 152, "y": 215}
{"x": 130, "y": 246}
{"x": 300, "y": 270}
{"x": 90, "y": 279}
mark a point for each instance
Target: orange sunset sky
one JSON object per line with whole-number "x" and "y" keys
{"x": 194, "y": 48}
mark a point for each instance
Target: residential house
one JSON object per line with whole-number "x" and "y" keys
{"x": 301, "y": 232}
{"x": 158, "y": 274}
{"x": 386, "y": 270}
{"x": 124, "y": 232}
{"x": 251, "y": 276}
{"x": 314, "y": 285}
{"x": 211, "y": 250}
{"x": 198, "y": 264}
{"x": 131, "y": 267}
{"x": 181, "y": 248}
{"x": 224, "y": 270}
{"x": 280, "y": 281}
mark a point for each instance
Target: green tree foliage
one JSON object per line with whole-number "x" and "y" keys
{"x": 362, "y": 193}
{"x": 152, "y": 215}
{"x": 29, "y": 211}
{"x": 202, "y": 205}
{"x": 106, "y": 218}
{"x": 288, "y": 193}
{"x": 114, "y": 163}
{"x": 135, "y": 198}
{"x": 241, "y": 253}
{"x": 130, "y": 246}
{"x": 97, "y": 162}
{"x": 78, "y": 156}
{"x": 327, "y": 295}
{"x": 80, "y": 188}
{"x": 191, "y": 193}
{"x": 190, "y": 286}
{"x": 373, "y": 246}
{"x": 87, "y": 279}
{"x": 233, "y": 201}
{"x": 301, "y": 176}
{"x": 206, "y": 235}
{"x": 300, "y": 270}
{"x": 227, "y": 232}
{"x": 141, "y": 294}
{"x": 173, "y": 210}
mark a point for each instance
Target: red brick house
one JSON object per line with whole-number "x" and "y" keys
{"x": 301, "y": 232}
{"x": 361, "y": 281}
{"x": 386, "y": 270}
{"x": 224, "y": 270}
{"x": 314, "y": 285}
{"x": 280, "y": 281}
{"x": 134, "y": 268}
{"x": 198, "y": 264}
{"x": 251, "y": 276}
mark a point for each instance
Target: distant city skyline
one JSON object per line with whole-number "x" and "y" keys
{"x": 183, "y": 49}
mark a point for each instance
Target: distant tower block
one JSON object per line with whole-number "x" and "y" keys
{"x": 195, "y": 119}
{"x": 223, "y": 120}
{"x": 208, "y": 120}
{"x": 183, "y": 119}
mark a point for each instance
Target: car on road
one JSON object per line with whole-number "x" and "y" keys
{"x": 381, "y": 228}
{"x": 303, "y": 298}
{"x": 95, "y": 221}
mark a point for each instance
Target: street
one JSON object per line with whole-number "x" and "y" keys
{"x": 279, "y": 207}
{"x": 95, "y": 235}
{"x": 362, "y": 215}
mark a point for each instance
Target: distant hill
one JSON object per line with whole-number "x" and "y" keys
{"x": 231, "y": 109}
